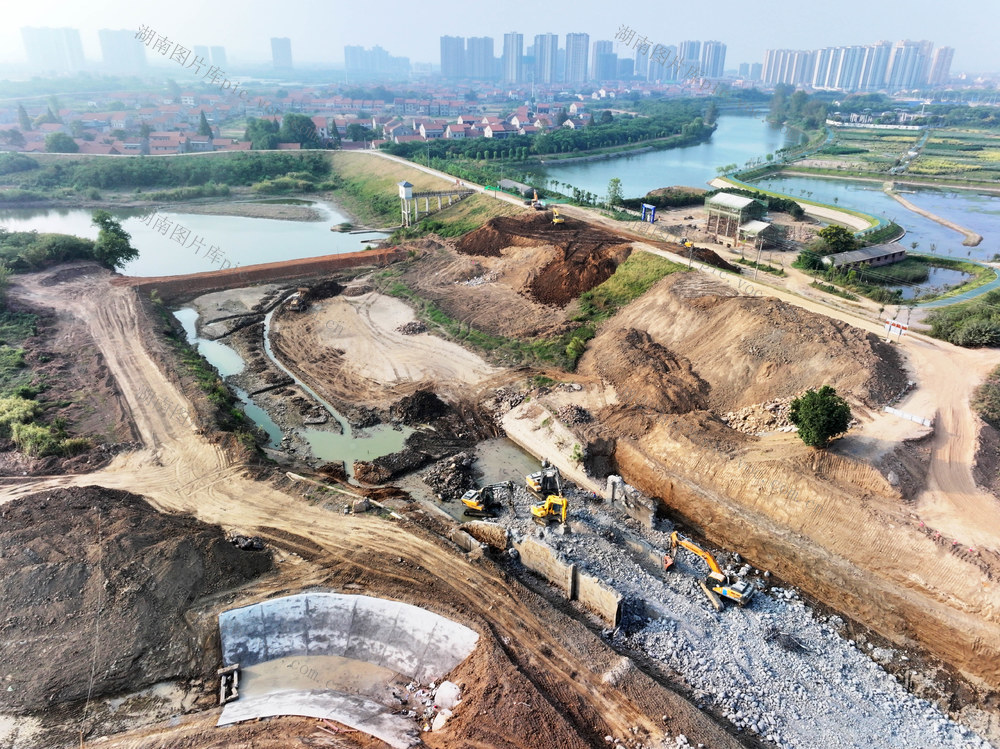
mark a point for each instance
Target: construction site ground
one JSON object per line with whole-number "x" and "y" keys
{"x": 891, "y": 611}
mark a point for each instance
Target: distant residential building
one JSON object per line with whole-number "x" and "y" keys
{"x": 941, "y": 66}
{"x": 55, "y": 50}
{"x": 374, "y": 62}
{"x": 453, "y": 57}
{"x": 641, "y": 68}
{"x": 546, "y": 55}
{"x": 664, "y": 66}
{"x": 604, "y": 62}
{"x": 743, "y": 71}
{"x": 120, "y": 52}
{"x": 202, "y": 51}
{"x": 281, "y": 52}
{"x": 689, "y": 59}
{"x": 756, "y": 71}
{"x": 219, "y": 57}
{"x": 479, "y": 58}
{"x": 513, "y": 51}
{"x": 577, "y": 50}
{"x": 713, "y": 59}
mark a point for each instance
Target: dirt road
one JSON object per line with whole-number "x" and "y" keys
{"x": 537, "y": 655}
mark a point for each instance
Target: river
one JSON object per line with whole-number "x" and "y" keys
{"x": 238, "y": 240}
{"x": 737, "y": 139}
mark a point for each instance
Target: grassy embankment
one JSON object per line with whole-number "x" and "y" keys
{"x": 22, "y": 412}
{"x": 632, "y": 279}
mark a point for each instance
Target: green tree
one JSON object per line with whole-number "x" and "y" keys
{"x": 22, "y": 118}
{"x": 615, "y": 195}
{"x": 837, "y": 239}
{"x": 203, "y": 127}
{"x": 4, "y": 279}
{"x": 820, "y": 416}
{"x": 606, "y": 118}
{"x": 60, "y": 143}
{"x": 357, "y": 132}
{"x": 298, "y": 128}
{"x": 12, "y": 136}
{"x": 113, "y": 248}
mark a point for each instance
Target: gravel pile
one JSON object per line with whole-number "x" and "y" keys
{"x": 481, "y": 280}
{"x": 573, "y": 414}
{"x": 412, "y": 328}
{"x": 775, "y": 669}
{"x": 452, "y": 477}
{"x": 761, "y": 417}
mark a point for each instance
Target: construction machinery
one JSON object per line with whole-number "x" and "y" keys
{"x": 556, "y": 218}
{"x": 538, "y": 205}
{"x": 544, "y": 482}
{"x": 717, "y": 583}
{"x": 554, "y": 506}
{"x": 485, "y": 502}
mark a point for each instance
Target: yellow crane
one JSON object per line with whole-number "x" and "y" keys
{"x": 717, "y": 583}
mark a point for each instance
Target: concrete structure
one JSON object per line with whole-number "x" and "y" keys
{"x": 604, "y": 63}
{"x": 54, "y": 50}
{"x": 867, "y": 257}
{"x": 479, "y": 58}
{"x": 219, "y": 56}
{"x": 713, "y": 59}
{"x": 407, "y": 639}
{"x": 727, "y": 213}
{"x": 757, "y": 233}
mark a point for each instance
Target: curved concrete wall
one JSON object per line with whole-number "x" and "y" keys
{"x": 407, "y": 639}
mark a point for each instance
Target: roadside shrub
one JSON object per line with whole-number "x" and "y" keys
{"x": 16, "y": 410}
{"x": 35, "y": 440}
{"x": 986, "y": 399}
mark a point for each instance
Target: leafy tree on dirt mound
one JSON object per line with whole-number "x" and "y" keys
{"x": 820, "y": 416}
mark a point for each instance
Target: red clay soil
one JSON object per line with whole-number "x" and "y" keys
{"x": 586, "y": 255}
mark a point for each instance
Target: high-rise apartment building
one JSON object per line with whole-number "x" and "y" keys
{"x": 940, "y": 71}
{"x": 546, "y": 56}
{"x": 513, "y": 51}
{"x": 281, "y": 52}
{"x": 713, "y": 59}
{"x": 121, "y": 51}
{"x": 689, "y": 59}
{"x": 56, "y": 50}
{"x": 664, "y": 67}
{"x": 479, "y": 58}
{"x": 577, "y": 49}
{"x": 219, "y": 57}
{"x": 641, "y": 63}
{"x": 453, "y": 57}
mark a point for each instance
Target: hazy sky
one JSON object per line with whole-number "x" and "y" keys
{"x": 319, "y": 30}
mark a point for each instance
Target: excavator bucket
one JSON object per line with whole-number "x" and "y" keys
{"x": 668, "y": 562}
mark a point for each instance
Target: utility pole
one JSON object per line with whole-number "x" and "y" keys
{"x": 760, "y": 248}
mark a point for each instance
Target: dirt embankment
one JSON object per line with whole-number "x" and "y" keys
{"x": 749, "y": 350}
{"x": 827, "y": 522}
{"x": 96, "y": 585}
{"x": 584, "y": 255}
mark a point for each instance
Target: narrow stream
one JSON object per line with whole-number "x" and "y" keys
{"x": 348, "y": 446}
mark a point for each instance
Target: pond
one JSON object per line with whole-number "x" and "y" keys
{"x": 237, "y": 240}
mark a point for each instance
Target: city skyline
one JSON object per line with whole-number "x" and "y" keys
{"x": 247, "y": 42}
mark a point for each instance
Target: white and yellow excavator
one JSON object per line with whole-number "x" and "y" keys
{"x": 717, "y": 583}
{"x": 485, "y": 502}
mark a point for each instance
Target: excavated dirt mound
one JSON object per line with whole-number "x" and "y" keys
{"x": 94, "y": 581}
{"x": 421, "y": 407}
{"x": 749, "y": 350}
{"x": 647, "y": 374}
{"x": 707, "y": 256}
{"x": 586, "y": 254}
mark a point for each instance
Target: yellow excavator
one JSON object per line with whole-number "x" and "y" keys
{"x": 484, "y": 503}
{"x": 553, "y": 506}
{"x": 556, "y": 218}
{"x": 544, "y": 482}
{"x": 717, "y": 583}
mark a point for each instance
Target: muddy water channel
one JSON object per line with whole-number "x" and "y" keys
{"x": 324, "y": 444}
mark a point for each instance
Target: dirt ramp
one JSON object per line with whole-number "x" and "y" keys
{"x": 93, "y": 578}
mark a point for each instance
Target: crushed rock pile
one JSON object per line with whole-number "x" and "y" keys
{"x": 452, "y": 477}
{"x": 573, "y": 414}
{"x": 761, "y": 417}
{"x": 412, "y": 328}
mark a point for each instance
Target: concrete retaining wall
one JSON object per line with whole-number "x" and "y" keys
{"x": 172, "y": 288}
{"x": 576, "y": 586}
{"x": 407, "y": 639}
{"x": 599, "y": 598}
{"x": 543, "y": 560}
